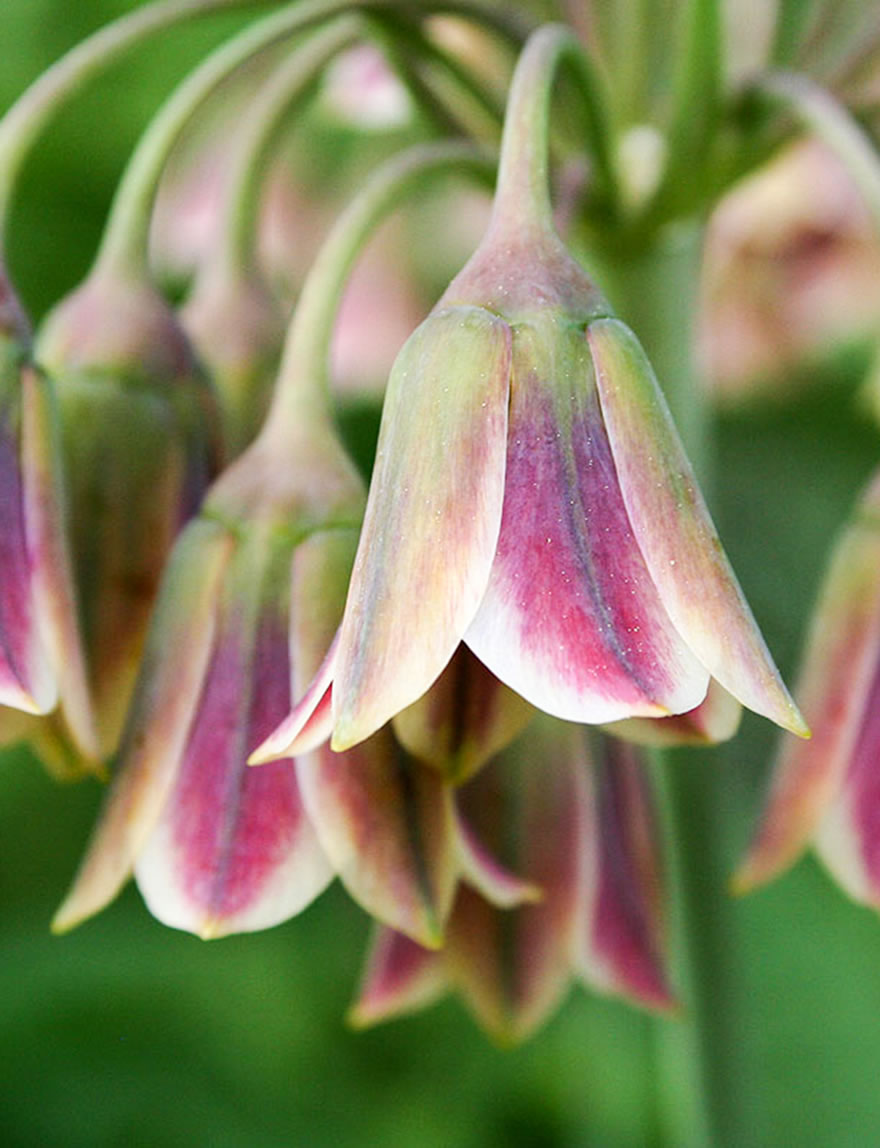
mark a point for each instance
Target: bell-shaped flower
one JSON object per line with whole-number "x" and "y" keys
{"x": 582, "y": 830}
{"x": 531, "y": 498}
{"x": 826, "y": 792}
{"x": 41, "y": 659}
{"x": 251, "y": 595}
{"x": 140, "y": 446}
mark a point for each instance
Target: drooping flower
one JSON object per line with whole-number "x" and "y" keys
{"x": 826, "y": 792}
{"x": 531, "y": 498}
{"x": 253, "y": 589}
{"x": 581, "y": 827}
{"x": 140, "y": 443}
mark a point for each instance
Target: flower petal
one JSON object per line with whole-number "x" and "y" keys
{"x": 714, "y": 720}
{"x": 386, "y": 824}
{"x": 571, "y": 618}
{"x": 485, "y": 873}
{"x": 531, "y": 805}
{"x": 432, "y": 518}
{"x": 621, "y": 946}
{"x": 164, "y": 702}
{"x": 27, "y": 678}
{"x": 848, "y": 839}
{"x": 233, "y": 850}
{"x": 400, "y": 977}
{"x": 836, "y": 685}
{"x": 674, "y": 531}
{"x": 465, "y": 718}
{"x": 55, "y": 597}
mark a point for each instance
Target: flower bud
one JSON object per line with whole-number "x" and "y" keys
{"x": 139, "y": 439}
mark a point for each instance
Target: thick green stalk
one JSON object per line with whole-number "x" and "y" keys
{"x": 303, "y": 378}
{"x": 654, "y": 289}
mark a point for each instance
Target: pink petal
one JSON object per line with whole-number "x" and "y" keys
{"x": 176, "y": 658}
{"x": 714, "y": 720}
{"x": 233, "y": 850}
{"x": 54, "y": 594}
{"x": 386, "y": 824}
{"x": 485, "y": 873}
{"x": 836, "y": 685}
{"x": 848, "y": 839}
{"x": 531, "y": 805}
{"x": 464, "y": 719}
{"x": 432, "y": 518}
{"x": 27, "y": 680}
{"x": 309, "y": 723}
{"x": 674, "y": 531}
{"x": 622, "y": 945}
{"x": 400, "y": 977}
{"x": 319, "y": 579}
{"x": 571, "y": 618}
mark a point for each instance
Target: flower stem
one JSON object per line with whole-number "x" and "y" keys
{"x": 523, "y": 196}
{"x": 267, "y": 117}
{"x": 24, "y": 120}
{"x": 654, "y": 288}
{"x": 303, "y": 378}
{"x": 124, "y": 248}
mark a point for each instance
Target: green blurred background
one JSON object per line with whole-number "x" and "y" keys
{"x": 128, "y": 1033}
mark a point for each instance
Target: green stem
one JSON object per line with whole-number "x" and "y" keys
{"x": 303, "y": 378}
{"x": 655, "y": 289}
{"x": 414, "y": 41}
{"x": 24, "y": 120}
{"x": 522, "y": 200}
{"x": 267, "y": 118}
{"x": 124, "y": 249}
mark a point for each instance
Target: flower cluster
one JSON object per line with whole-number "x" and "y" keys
{"x": 437, "y": 690}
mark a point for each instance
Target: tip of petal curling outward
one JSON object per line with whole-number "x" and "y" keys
{"x": 675, "y": 533}
{"x": 437, "y": 489}
{"x": 309, "y": 723}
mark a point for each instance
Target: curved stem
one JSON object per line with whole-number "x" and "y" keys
{"x": 421, "y": 45}
{"x": 523, "y": 196}
{"x": 125, "y": 245}
{"x": 819, "y": 112}
{"x": 267, "y": 118}
{"x": 24, "y": 120}
{"x": 302, "y": 383}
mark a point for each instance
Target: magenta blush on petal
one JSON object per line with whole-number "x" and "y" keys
{"x": 623, "y": 948}
{"x": 571, "y": 618}
{"x": 234, "y": 850}
{"x": 26, "y": 680}
{"x": 848, "y": 840}
{"x": 400, "y": 977}
{"x": 674, "y": 531}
